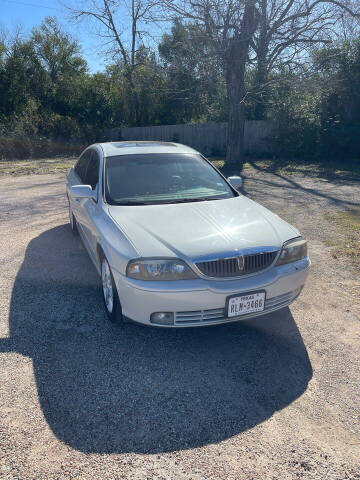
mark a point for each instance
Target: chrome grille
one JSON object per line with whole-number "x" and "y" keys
{"x": 233, "y": 267}
{"x": 199, "y": 316}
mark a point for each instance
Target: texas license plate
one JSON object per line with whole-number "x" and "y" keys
{"x": 243, "y": 304}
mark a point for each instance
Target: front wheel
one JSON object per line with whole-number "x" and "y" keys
{"x": 110, "y": 296}
{"x": 72, "y": 221}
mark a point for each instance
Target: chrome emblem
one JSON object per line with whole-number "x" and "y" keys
{"x": 241, "y": 262}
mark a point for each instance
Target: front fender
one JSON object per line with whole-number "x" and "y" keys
{"x": 114, "y": 244}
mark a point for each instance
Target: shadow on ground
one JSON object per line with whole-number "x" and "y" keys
{"x": 104, "y": 389}
{"x": 290, "y": 183}
{"x": 287, "y": 183}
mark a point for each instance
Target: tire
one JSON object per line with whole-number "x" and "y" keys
{"x": 109, "y": 293}
{"x": 72, "y": 222}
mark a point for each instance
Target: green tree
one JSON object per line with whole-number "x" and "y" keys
{"x": 195, "y": 84}
{"x": 57, "y": 52}
{"x": 287, "y": 31}
{"x": 64, "y": 70}
{"x": 338, "y": 67}
{"x": 21, "y": 85}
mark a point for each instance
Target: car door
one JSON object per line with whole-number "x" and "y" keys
{"x": 91, "y": 211}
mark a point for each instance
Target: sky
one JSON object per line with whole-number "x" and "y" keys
{"x": 30, "y": 13}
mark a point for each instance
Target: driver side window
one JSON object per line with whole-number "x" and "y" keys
{"x": 92, "y": 172}
{"x": 81, "y": 165}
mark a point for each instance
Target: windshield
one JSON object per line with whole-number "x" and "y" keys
{"x": 162, "y": 178}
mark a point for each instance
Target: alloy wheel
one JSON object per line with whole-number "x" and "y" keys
{"x": 107, "y": 286}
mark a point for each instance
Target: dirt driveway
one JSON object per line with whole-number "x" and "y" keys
{"x": 273, "y": 398}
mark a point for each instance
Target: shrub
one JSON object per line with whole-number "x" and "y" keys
{"x": 21, "y": 148}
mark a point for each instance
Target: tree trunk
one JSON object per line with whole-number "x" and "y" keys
{"x": 261, "y": 75}
{"x": 133, "y": 97}
{"x": 261, "y": 87}
{"x": 236, "y": 123}
{"x": 236, "y": 59}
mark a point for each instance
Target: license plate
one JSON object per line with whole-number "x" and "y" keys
{"x": 247, "y": 303}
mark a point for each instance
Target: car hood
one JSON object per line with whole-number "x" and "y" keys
{"x": 198, "y": 230}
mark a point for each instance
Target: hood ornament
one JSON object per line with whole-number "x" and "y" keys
{"x": 241, "y": 262}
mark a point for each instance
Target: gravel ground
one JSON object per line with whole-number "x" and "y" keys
{"x": 272, "y": 398}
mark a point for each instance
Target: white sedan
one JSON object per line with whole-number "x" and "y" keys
{"x": 175, "y": 243}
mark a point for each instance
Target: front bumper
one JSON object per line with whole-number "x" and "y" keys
{"x": 201, "y": 302}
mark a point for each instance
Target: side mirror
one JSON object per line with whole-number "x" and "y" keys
{"x": 83, "y": 191}
{"x": 235, "y": 182}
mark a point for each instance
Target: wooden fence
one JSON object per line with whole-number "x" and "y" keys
{"x": 207, "y": 138}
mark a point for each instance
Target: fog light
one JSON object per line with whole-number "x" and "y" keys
{"x": 162, "y": 318}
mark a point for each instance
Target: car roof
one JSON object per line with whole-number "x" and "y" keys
{"x": 112, "y": 149}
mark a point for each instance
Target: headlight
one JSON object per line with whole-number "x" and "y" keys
{"x": 293, "y": 250}
{"x": 159, "y": 269}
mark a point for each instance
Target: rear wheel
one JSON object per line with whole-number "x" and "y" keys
{"x": 110, "y": 296}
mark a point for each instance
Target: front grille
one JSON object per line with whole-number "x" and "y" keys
{"x": 232, "y": 267}
{"x": 201, "y": 317}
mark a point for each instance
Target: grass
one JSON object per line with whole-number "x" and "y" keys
{"x": 347, "y": 242}
{"x": 326, "y": 169}
{"x": 31, "y": 167}
{"x": 343, "y": 169}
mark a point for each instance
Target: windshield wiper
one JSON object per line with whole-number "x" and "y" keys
{"x": 189, "y": 200}
{"x": 166, "y": 202}
{"x": 131, "y": 203}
